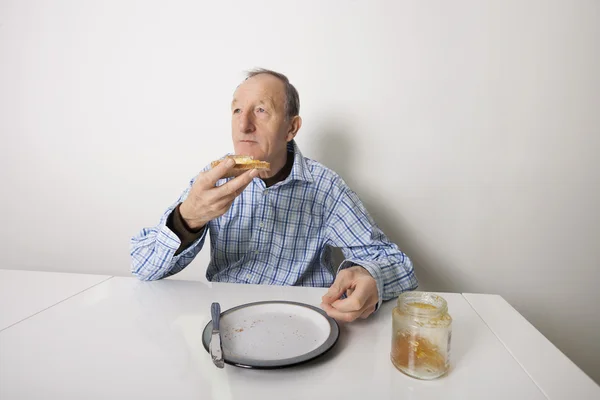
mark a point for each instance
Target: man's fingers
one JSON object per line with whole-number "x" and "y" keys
{"x": 367, "y": 312}
{"x": 339, "y": 315}
{"x": 341, "y": 284}
{"x": 235, "y": 186}
{"x": 363, "y": 295}
{"x": 218, "y": 172}
{"x": 334, "y": 293}
{"x": 356, "y": 300}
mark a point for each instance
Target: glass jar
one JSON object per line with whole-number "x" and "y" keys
{"x": 421, "y": 334}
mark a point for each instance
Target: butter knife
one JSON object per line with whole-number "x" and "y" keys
{"x": 216, "y": 349}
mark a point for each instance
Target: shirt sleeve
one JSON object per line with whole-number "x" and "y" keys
{"x": 154, "y": 250}
{"x": 351, "y": 228}
{"x": 186, "y": 235}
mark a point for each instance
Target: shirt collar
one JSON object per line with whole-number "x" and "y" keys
{"x": 300, "y": 171}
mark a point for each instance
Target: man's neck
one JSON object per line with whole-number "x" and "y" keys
{"x": 276, "y": 165}
{"x": 283, "y": 172}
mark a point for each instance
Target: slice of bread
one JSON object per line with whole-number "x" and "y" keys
{"x": 242, "y": 163}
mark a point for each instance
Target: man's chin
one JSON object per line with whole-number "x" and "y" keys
{"x": 249, "y": 149}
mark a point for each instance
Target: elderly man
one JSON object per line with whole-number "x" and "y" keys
{"x": 278, "y": 226}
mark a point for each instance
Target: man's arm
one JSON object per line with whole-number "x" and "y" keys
{"x": 154, "y": 251}
{"x": 186, "y": 235}
{"x": 351, "y": 228}
{"x": 158, "y": 252}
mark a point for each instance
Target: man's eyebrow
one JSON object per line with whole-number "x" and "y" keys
{"x": 268, "y": 101}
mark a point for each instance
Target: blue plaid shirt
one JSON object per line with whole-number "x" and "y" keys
{"x": 283, "y": 235}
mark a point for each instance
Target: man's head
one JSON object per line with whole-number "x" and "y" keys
{"x": 264, "y": 116}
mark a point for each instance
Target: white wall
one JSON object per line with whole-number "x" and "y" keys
{"x": 469, "y": 128}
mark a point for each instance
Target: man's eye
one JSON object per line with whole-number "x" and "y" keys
{"x": 260, "y": 110}
{"x": 237, "y": 111}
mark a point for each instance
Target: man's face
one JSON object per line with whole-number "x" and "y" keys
{"x": 259, "y": 127}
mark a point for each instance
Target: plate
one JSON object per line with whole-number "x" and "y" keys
{"x": 274, "y": 334}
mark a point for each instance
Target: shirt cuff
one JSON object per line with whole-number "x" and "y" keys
{"x": 179, "y": 227}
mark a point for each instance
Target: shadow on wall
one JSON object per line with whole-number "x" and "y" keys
{"x": 334, "y": 149}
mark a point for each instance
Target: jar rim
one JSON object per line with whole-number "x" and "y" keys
{"x": 407, "y": 299}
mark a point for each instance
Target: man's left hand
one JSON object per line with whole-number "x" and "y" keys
{"x": 362, "y": 296}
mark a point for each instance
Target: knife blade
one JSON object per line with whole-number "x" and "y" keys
{"x": 216, "y": 349}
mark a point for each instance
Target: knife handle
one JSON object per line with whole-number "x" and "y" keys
{"x": 215, "y": 311}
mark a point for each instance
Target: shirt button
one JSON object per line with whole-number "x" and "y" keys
{"x": 248, "y": 276}
{"x": 265, "y": 192}
{"x": 262, "y": 224}
{"x": 256, "y": 252}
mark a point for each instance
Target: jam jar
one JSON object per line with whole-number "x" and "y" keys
{"x": 421, "y": 335}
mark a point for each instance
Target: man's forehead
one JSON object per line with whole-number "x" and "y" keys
{"x": 258, "y": 99}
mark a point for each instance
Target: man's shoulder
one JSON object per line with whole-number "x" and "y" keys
{"x": 326, "y": 178}
{"x": 320, "y": 171}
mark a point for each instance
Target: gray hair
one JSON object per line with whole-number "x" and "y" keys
{"x": 292, "y": 99}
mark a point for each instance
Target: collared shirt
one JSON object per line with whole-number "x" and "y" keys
{"x": 283, "y": 235}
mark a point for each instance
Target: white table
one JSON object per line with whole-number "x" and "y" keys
{"x": 25, "y": 293}
{"x": 129, "y": 339}
{"x": 556, "y": 375}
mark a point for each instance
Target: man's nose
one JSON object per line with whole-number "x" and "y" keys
{"x": 246, "y": 123}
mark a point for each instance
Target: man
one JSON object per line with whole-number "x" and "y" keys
{"x": 278, "y": 226}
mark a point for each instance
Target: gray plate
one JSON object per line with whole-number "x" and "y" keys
{"x": 274, "y": 334}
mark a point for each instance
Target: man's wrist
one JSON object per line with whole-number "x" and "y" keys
{"x": 192, "y": 223}
{"x": 363, "y": 268}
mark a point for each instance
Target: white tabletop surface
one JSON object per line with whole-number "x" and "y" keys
{"x": 126, "y": 339}
{"x": 25, "y": 293}
{"x": 556, "y": 375}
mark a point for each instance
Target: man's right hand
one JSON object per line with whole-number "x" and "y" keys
{"x": 206, "y": 202}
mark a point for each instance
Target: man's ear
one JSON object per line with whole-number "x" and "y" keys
{"x": 294, "y": 127}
